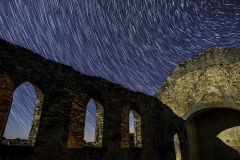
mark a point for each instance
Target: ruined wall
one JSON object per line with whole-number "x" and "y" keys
{"x": 62, "y": 96}
{"x": 209, "y": 80}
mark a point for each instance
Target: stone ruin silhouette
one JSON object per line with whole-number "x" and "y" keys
{"x": 57, "y": 129}
{"x": 194, "y": 115}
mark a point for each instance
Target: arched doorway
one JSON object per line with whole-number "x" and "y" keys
{"x": 203, "y": 128}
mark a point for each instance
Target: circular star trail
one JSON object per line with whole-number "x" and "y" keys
{"x": 134, "y": 43}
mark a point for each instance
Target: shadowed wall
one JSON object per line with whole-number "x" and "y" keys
{"x": 62, "y": 96}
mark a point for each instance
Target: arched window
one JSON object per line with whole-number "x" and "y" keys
{"x": 22, "y": 120}
{"x": 90, "y": 123}
{"x": 130, "y": 128}
{"x": 82, "y": 127}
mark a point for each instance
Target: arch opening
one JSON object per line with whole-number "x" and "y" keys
{"x": 90, "y": 123}
{"x": 130, "y": 128}
{"x": 21, "y": 114}
{"x": 204, "y": 130}
{"x": 82, "y": 128}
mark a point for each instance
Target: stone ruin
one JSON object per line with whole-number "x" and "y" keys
{"x": 57, "y": 130}
{"x": 205, "y": 92}
{"x": 194, "y": 115}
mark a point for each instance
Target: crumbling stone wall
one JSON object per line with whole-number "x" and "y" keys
{"x": 137, "y": 129}
{"x": 209, "y": 80}
{"x": 6, "y": 92}
{"x": 99, "y": 123}
{"x": 62, "y": 96}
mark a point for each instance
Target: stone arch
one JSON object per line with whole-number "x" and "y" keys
{"x": 77, "y": 121}
{"x": 90, "y": 121}
{"x": 125, "y": 143}
{"x": 204, "y": 126}
{"x": 191, "y": 111}
{"x": 6, "y": 93}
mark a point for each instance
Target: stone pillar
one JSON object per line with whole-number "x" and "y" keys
{"x": 6, "y": 94}
{"x": 177, "y": 147}
{"x": 112, "y": 137}
{"x": 125, "y": 143}
{"x": 99, "y": 124}
{"x": 77, "y": 121}
{"x": 36, "y": 116}
{"x": 137, "y": 129}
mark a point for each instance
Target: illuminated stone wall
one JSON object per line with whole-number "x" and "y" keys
{"x": 209, "y": 80}
{"x": 58, "y": 123}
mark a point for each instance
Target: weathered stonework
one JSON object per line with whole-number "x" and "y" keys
{"x": 77, "y": 122}
{"x": 59, "y": 118}
{"x": 125, "y": 143}
{"x": 207, "y": 82}
{"x": 36, "y": 116}
{"x": 99, "y": 123}
{"x": 137, "y": 129}
{"x": 7, "y": 89}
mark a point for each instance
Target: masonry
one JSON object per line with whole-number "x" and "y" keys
{"x": 204, "y": 91}
{"x": 57, "y": 129}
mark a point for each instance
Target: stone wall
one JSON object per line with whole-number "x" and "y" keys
{"x": 62, "y": 96}
{"x": 207, "y": 81}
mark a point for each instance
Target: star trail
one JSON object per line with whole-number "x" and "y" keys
{"x": 135, "y": 43}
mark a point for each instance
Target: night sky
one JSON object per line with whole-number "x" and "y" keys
{"x": 135, "y": 43}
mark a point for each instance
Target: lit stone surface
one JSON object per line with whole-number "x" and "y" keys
{"x": 208, "y": 81}
{"x": 177, "y": 147}
{"x": 176, "y": 95}
{"x": 231, "y": 137}
{"x": 77, "y": 121}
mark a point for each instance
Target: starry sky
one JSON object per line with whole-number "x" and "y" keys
{"x": 135, "y": 43}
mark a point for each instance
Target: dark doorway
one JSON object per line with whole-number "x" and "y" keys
{"x": 203, "y": 128}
